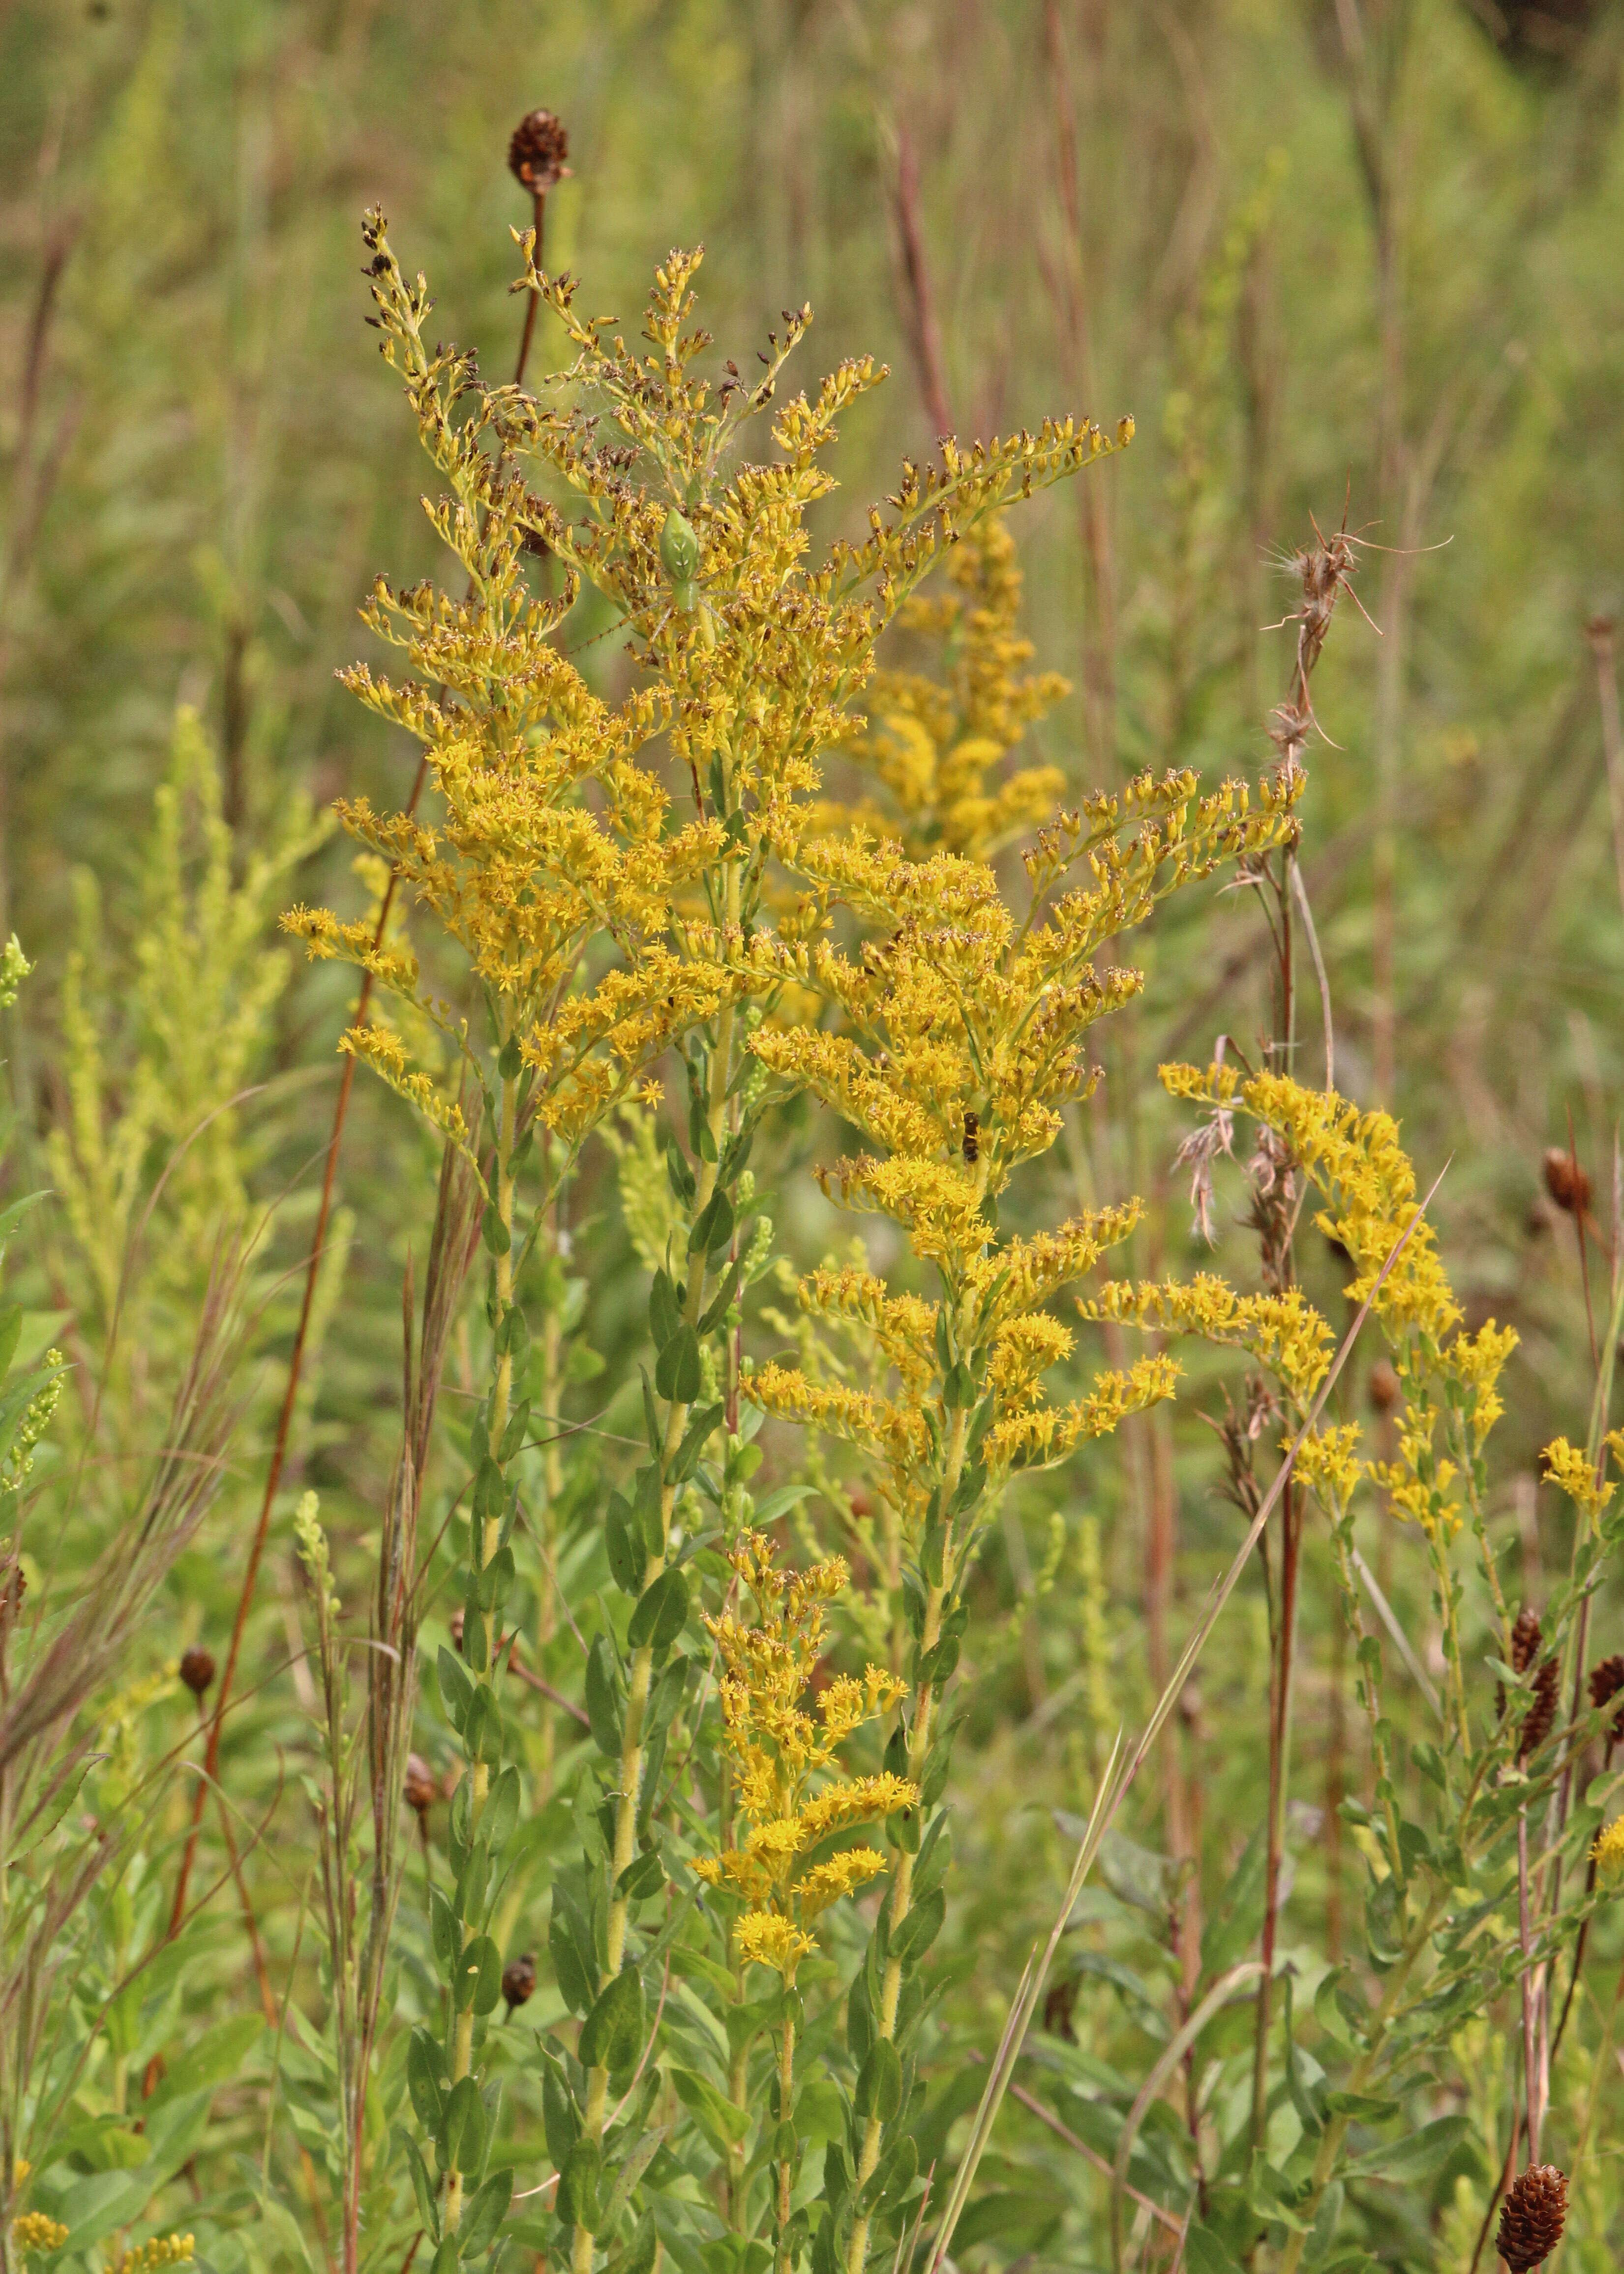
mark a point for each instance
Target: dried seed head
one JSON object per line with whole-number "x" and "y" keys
{"x": 1525, "y": 1639}
{"x": 197, "y": 1668}
{"x": 1565, "y": 1182}
{"x": 420, "y": 1788}
{"x": 1541, "y": 1716}
{"x": 456, "y": 1629}
{"x": 1385, "y": 1387}
{"x": 519, "y": 1980}
{"x": 537, "y": 153}
{"x": 1531, "y": 2225}
{"x": 1606, "y": 1681}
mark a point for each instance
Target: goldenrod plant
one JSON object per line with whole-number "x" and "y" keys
{"x": 682, "y": 1662}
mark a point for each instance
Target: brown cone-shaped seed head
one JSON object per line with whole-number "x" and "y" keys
{"x": 1606, "y": 1681}
{"x": 1565, "y": 1182}
{"x": 1531, "y": 2225}
{"x": 197, "y": 1668}
{"x": 1540, "y": 1718}
{"x": 519, "y": 1979}
{"x": 420, "y": 1787}
{"x": 1525, "y": 1639}
{"x": 457, "y": 1629}
{"x": 1385, "y": 1387}
{"x": 537, "y": 153}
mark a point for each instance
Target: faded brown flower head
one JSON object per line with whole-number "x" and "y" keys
{"x": 1565, "y": 1182}
{"x": 519, "y": 1979}
{"x": 421, "y": 1791}
{"x": 1531, "y": 2225}
{"x": 537, "y": 153}
{"x": 197, "y": 1668}
{"x": 1541, "y": 1715}
{"x": 457, "y": 1629}
{"x": 1606, "y": 1681}
{"x": 1385, "y": 1389}
{"x": 1525, "y": 1639}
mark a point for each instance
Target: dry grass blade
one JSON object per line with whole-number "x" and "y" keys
{"x": 1116, "y": 1780}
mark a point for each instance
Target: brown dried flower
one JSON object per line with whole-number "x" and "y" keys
{"x": 537, "y": 153}
{"x": 420, "y": 1787}
{"x": 1541, "y": 1716}
{"x": 197, "y": 1668}
{"x": 1606, "y": 1681}
{"x": 1567, "y": 1182}
{"x": 519, "y": 1980}
{"x": 1531, "y": 2225}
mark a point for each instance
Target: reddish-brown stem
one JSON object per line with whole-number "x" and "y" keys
{"x": 1499, "y": 2188}
{"x": 919, "y": 307}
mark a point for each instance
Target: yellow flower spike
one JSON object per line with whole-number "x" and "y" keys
{"x": 792, "y": 1793}
{"x": 1568, "y": 1469}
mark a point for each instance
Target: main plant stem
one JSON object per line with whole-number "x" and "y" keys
{"x": 642, "y": 1662}
{"x": 786, "y": 2163}
{"x": 1280, "y": 1754}
{"x": 902, "y": 1877}
{"x": 501, "y": 1399}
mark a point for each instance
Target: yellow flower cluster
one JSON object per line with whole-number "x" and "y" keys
{"x": 1284, "y": 1331}
{"x": 601, "y": 928}
{"x": 783, "y": 1755}
{"x": 1368, "y": 1183}
{"x": 935, "y": 741}
{"x": 162, "y": 2250}
{"x": 1358, "y": 1162}
{"x": 1572, "y": 1474}
{"x": 35, "y": 2231}
{"x": 1608, "y": 1853}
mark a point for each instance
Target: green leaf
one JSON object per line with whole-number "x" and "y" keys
{"x": 920, "y": 1929}
{"x": 603, "y": 1706}
{"x": 686, "y": 1459}
{"x": 502, "y": 1811}
{"x": 560, "y": 2119}
{"x": 713, "y": 1227}
{"x": 576, "y": 2200}
{"x": 218, "y": 2055}
{"x": 479, "y": 1975}
{"x": 1204, "y": 2254}
{"x": 465, "y": 2127}
{"x": 879, "y": 2082}
{"x": 665, "y": 1312}
{"x": 442, "y": 1932}
{"x": 456, "y": 1689}
{"x": 484, "y": 2214}
{"x": 661, "y": 1614}
{"x": 612, "y": 2035}
{"x": 723, "y": 2125}
{"x": 644, "y": 1877}
{"x": 11, "y": 1327}
{"x": 423, "y": 2073}
{"x": 569, "y": 1942}
{"x": 1413, "y": 2155}
{"x": 428, "y": 2209}
{"x": 623, "y": 1538}
{"x": 677, "y": 1374}
{"x": 494, "y": 1232}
